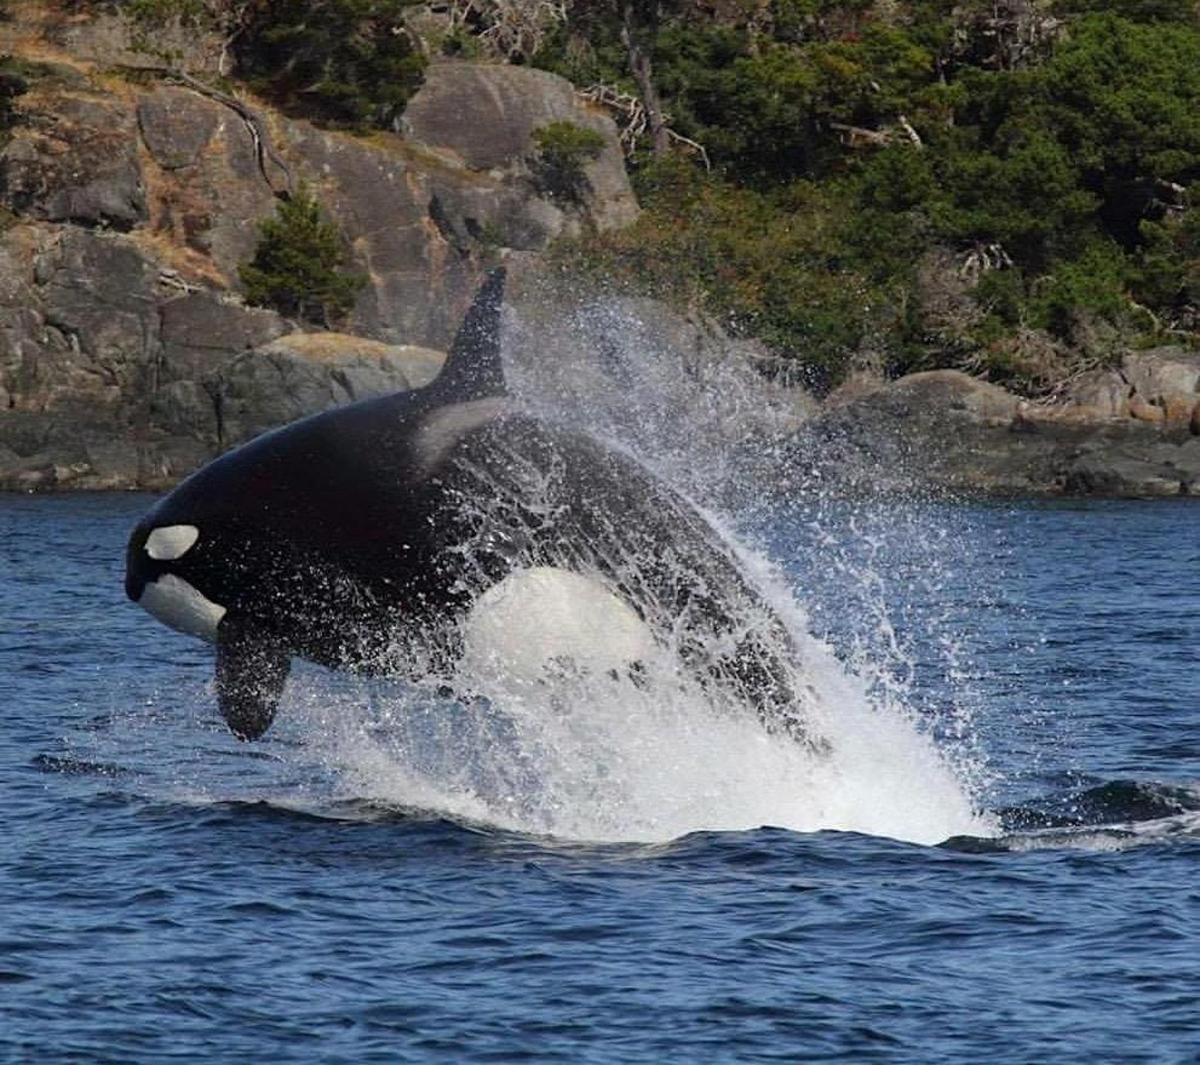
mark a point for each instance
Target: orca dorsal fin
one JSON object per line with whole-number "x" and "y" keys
{"x": 474, "y": 369}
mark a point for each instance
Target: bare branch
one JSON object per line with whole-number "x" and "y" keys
{"x": 632, "y": 121}
{"x": 512, "y": 29}
{"x": 911, "y": 133}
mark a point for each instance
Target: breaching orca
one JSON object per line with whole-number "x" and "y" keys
{"x": 363, "y": 537}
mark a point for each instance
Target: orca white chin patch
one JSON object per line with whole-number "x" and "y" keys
{"x": 169, "y": 542}
{"x": 179, "y": 606}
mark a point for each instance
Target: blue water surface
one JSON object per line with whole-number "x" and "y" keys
{"x": 167, "y": 894}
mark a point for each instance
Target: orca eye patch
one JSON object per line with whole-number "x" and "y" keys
{"x": 169, "y": 542}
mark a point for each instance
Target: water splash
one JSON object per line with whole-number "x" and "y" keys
{"x": 603, "y": 754}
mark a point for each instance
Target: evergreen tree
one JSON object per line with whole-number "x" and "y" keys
{"x": 297, "y": 266}
{"x": 348, "y": 62}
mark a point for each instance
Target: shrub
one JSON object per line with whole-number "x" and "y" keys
{"x": 297, "y": 266}
{"x": 154, "y": 13}
{"x": 563, "y": 149}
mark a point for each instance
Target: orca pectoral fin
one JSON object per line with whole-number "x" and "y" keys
{"x": 251, "y": 673}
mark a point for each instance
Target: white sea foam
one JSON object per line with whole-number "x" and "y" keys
{"x": 586, "y": 755}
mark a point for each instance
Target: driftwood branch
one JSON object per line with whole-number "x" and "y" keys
{"x": 173, "y": 279}
{"x": 909, "y": 132}
{"x": 512, "y": 29}
{"x": 982, "y": 259}
{"x": 862, "y": 137}
{"x": 696, "y": 146}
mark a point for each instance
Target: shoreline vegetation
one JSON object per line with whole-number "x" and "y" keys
{"x": 995, "y": 197}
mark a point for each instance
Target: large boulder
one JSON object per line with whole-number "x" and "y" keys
{"x": 1156, "y": 468}
{"x": 942, "y": 396}
{"x": 1096, "y": 395}
{"x": 485, "y": 115}
{"x": 305, "y": 373}
{"x": 1165, "y": 383}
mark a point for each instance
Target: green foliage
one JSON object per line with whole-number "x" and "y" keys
{"x": 151, "y": 17}
{"x": 1134, "y": 10}
{"x": 297, "y": 266}
{"x": 1167, "y": 268}
{"x": 346, "y": 62}
{"x": 156, "y": 13}
{"x": 1074, "y": 160}
{"x": 563, "y": 150}
{"x": 772, "y": 265}
{"x": 1094, "y": 282}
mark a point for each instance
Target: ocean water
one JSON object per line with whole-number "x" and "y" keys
{"x": 1000, "y": 857}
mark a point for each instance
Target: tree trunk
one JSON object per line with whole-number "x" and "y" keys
{"x": 639, "y": 66}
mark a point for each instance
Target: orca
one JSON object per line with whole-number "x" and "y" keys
{"x": 363, "y": 538}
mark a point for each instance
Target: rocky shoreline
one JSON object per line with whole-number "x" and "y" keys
{"x": 1133, "y": 431}
{"x": 128, "y": 358}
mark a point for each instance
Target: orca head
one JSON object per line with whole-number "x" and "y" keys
{"x": 186, "y": 564}
{"x": 161, "y": 578}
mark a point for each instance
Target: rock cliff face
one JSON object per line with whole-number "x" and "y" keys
{"x": 127, "y": 357}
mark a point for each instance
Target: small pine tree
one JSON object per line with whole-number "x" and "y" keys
{"x": 296, "y": 267}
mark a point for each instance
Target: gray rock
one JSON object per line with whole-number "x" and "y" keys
{"x": 485, "y": 115}
{"x": 176, "y": 126}
{"x": 1098, "y": 395}
{"x": 75, "y": 160}
{"x": 1158, "y": 372}
{"x": 942, "y": 433}
{"x": 1160, "y": 469}
{"x": 200, "y": 332}
{"x": 303, "y": 374}
{"x": 214, "y": 201}
{"x": 99, "y": 294}
{"x": 944, "y": 395}
{"x": 188, "y": 408}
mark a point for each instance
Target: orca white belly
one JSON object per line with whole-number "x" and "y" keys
{"x": 543, "y": 623}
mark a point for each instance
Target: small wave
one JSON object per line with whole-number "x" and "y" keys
{"x": 1111, "y": 802}
{"x": 1112, "y": 816}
